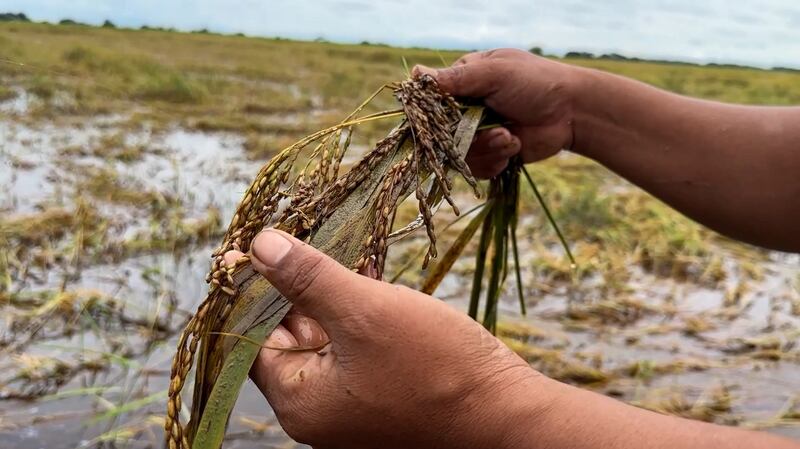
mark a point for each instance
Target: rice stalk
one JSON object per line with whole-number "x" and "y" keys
{"x": 350, "y": 217}
{"x": 498, "y": 222}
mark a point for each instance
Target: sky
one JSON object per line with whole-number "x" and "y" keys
{"x": 760, "y": 33}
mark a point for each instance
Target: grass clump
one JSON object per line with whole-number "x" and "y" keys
{"x": 171, "y": 87}
{"x": 42, "y": 86}
{"x": 106, "y": 184}
{"x": 6, "y": 93}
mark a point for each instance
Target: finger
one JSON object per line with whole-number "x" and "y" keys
{"x": 281, "y": 337}
{"x": 538, "y": 143}
{"x": 272, "y": 365}
{"x": 486, "y": 157}
{"x": 305, "y": 330}
{"x": 463, "y": 80}
{"x": 470, "y": 57}
{"x": 369, "y": 269}
{"x": 491, "y": 169}
{"x": 317, "y": 284}
{"x": 492, "y": 141}
{"x": 231, "y": 257}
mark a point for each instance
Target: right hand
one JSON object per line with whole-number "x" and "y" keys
{"x": 533, "y": 93}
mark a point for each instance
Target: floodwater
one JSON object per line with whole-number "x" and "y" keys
{"x": 745, "y": 347}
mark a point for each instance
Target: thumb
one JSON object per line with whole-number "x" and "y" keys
{"x": 317, "y": 284}
{"x": 463, "y": 80}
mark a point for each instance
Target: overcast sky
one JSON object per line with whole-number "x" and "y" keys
{"x": 764, "y": 33}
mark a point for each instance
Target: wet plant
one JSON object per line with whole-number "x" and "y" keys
{"x": 497, "y": 243}
{"x": 350, "y": 216}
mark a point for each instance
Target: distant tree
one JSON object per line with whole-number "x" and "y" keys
{"x": 11, "y": 17}
{"x": 70, "y": 22}
{"x": 202, "y": 31}
{"x": 615, "y": 57}
{"x": 108, "y": 24}
{"x": 728, "y": 65}
{"x": 579, "y": 54}
{"x": 149, "y": 28}
{"x": 537, "y": 51}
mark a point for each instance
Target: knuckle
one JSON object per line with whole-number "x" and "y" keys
{"x": 469, "y": 58}
{"x": 509, "y": 52}
{"x": 492, "y": 53}
{"x": 369, "y": 317}
{"x": 462, "y": 60}
{"x": 455, "y": 75}
{"x": 307, "y": 272}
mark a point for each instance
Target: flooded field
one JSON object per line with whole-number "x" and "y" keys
{"x": 113, "y": 200}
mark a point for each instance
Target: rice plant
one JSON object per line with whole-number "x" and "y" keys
{"x": 348, "y": 215}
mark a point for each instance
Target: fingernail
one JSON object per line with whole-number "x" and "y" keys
{"x": 514, "y": 143}
{"x": 270, "y": 247}
{"x": 424, "y": 70}
{"x": 369, "y": 270}
{"x": 499, "y": 141}
{"x": 231, "y": 257}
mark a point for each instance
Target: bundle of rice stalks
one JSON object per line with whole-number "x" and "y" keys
{"x": 349, "y": 216}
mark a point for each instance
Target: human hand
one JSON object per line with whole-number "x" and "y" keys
{"x": 534, "y": 94}
{"x": 402, "y": 369}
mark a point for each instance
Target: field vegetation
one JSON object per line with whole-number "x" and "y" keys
{"x": 123, "y": 153}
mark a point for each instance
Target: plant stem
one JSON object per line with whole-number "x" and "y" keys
{"x": 573, "y": 264}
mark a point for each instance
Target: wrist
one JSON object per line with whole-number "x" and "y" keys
{"x": 528, "y": 412}
{"x": 508, "y": 412}
{"x": 591, "y": 94}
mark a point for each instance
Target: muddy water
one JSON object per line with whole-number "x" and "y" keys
{"x": 203, "y": 170}
{"x": 123, "y": 402}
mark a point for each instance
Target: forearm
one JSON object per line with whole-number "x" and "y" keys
{"x": 733, "y": 168}
{"x": 579, "y": 418}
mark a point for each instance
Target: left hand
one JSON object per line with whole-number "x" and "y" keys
{"x": 402, "y": 369}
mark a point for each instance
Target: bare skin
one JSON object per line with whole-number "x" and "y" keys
{"x": 406, "y": 370}
{"x": 735, "y": 169}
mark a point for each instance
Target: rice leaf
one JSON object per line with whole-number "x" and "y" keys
{"x": 573, "y": 264}
{"x": 405, "y": 66}
{"x": 480, "y": 262}
{"x": 445, "y": 263}
{"x": 211, "y": 430}
{"x": 518, "y": 274}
